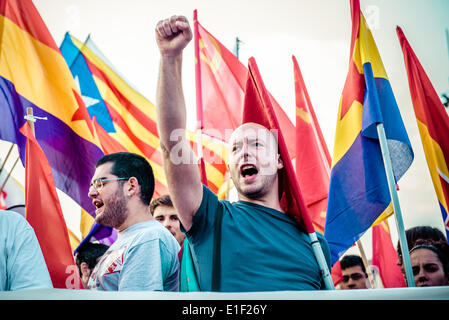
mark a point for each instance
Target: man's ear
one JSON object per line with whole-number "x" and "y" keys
{"x": 280, "y": 162}
{"x": 132, "y": 186}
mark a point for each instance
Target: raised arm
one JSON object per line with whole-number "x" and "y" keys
{"x": 180, "y": 166}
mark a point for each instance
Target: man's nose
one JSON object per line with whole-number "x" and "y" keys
{"x": 166, "y": 223}
{"x": 245, "y": 150}
{"x": 92, "y": 192}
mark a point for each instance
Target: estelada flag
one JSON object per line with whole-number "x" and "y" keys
{"x": 258, "y": 108}
{"x": 44, "y": 213}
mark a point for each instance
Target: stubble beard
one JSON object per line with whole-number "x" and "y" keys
{"x": 115, "y": 212}
{"x": 256, "y": 192}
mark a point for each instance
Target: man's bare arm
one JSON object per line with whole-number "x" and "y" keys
{"x": 180, "y": 166}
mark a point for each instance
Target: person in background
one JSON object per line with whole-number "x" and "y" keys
{"x": 414, "y": 234}
{"x": 87, "y": 258}
{"x": 145, "y": 254}
{"x": 430, "y": 263}
{"x": 354, "y": 273}
{"x": 22, "y": 264}
{"x": 162, "y": 210}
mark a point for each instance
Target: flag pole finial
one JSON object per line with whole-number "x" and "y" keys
{"x": 32, "y": 119}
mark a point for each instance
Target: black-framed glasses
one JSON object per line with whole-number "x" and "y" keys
{"x": 98, "y": 184}
{"x": 354, "y": 276}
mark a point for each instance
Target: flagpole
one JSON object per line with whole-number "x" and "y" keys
{"x": 30, "y": 119}
{"x": 365, "y": 262}
{"x": 9, "y": 174}
{"x": 447, "y": 40}
{"x": 396, "y": 207}
{"x": 12, "y": 168}
{"x": 7, "y": 156}
{"x": 319, "y": 255}
{"x": 199, "y": 98}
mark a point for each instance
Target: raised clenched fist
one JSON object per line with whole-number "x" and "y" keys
{"x": 173, "y": 35}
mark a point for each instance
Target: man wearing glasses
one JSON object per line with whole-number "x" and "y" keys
{"x": 144, "y": 256}
{"x": 354, "y": 273}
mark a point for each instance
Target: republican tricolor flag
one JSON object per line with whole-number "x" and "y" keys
{"x": 359, "y": 192}
{"x": 33, "y": 73}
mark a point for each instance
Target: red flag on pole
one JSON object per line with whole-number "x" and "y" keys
{"x": 313, "y": 160}
{"x": 44, "y": 213}
{"x": 336, "y": 273}
{"x": 385, "y": 257}
{"x": 220, "y": 89}
{"x": 258, "y": 108}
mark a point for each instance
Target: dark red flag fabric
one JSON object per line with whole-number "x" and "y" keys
{"x": 385, "y": 257}
{"x": 44, "y": 213}
{"x": 258, "y": 108}
{"x": 313, "y": 160}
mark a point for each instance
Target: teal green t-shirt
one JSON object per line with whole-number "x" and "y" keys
{"x": 262, "y": 249}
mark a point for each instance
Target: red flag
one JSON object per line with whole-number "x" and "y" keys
{"x": 258, "y": 108}
{"x": 385, "y": 257}
{"x": 313, "y": 160}
{"x": 44, "y": 213}
{"x": 336, "y": 273}
{"x": 220, "y": 84}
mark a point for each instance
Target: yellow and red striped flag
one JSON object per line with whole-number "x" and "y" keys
{"x": 433, "y": 125}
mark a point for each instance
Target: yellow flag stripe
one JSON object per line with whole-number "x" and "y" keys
{"x": 40, "y": 74}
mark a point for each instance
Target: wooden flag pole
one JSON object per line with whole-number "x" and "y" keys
{"x": 199, "y": 99}
{"x": 31, "y": 120}
{"x": 12, "y": 168}
{"x": 7, "y": 156}
{"x": 365, "y": 262}
{"x": 396, "y": 207}
{"x": 9, "y": 174}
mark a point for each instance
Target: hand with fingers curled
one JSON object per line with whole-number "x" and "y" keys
{"x": 173, "y": 35}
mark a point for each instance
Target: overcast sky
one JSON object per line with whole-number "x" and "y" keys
{"x": 316, "y": 32}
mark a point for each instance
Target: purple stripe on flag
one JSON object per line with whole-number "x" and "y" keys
{"x": 71, "y": 157}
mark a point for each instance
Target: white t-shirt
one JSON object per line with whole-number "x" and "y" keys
{"x": 144, "y": 257}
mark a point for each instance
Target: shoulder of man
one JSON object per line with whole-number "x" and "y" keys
{"x": 13, "y": 222}
{"x": 153, "y": 231}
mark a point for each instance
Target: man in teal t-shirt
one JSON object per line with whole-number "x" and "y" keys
{"x": 262, "y": 247}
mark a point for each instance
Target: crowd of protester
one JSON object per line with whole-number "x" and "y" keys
{"x": 189, "y": 240}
